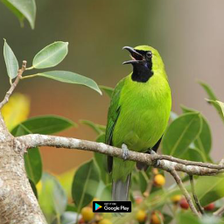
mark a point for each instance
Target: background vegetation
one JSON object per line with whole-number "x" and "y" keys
{"x": 190, "y": 43}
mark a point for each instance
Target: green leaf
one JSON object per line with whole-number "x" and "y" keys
{"x": 11, "y": 62}
{"x": 33, "y": 165}
{"x": 15, "y": 11}
{"x": 47, "y": 124}
{"x": 68, "y": 217}
{"x": 212, "y": 99}
{"x": 33, "y": 186}
{"x": 101, "y": 138}
{"x": 209, "y": 189}
{"x": 101, "y": 161}
{"x": 167, "y": 218}
{"x": 143, "y": 181}
{"x": 108, "y": 90}
{"x": 99, "y": 190}
{"x": 208, "y": 90}
{"x": 70, "y": 77}
{"x": 99, "y": 129}
{"x": 51, "y": 55}
{"x": 23, "y": 8}
{"x": 85, "y": 184}
{"x": 33, "y": 162}
{"x": 65, "y": 180}
{"x": 187, "y": 218}
{"x": 106, "y": 193}
{"x": 173, "y": 116}
{"x": 42, "y": 125}
{"x": 204, "y": 140}
{"x": 219, "y": 107}
{"x": 52, "y": 197}
{"x": 194, "y": 154}
{"x": 181, "y": 133}
{"x": 208, "y": 219}
{"x": 71, "y": 208}
{"x": 59, "y": 198}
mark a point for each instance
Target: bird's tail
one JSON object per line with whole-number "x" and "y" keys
{"x": 120, "y": 189}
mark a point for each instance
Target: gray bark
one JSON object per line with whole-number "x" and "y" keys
{"x": 18, "y": 204}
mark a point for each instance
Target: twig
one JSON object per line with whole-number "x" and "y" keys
{"x": 14, "y": 84}
{"x": 193, "y": 163}
{"x": 184, "y": 191}
{"x": 219, "y": 212}
{"x": 197, "y": 202}
{"x": 150, "y": 184}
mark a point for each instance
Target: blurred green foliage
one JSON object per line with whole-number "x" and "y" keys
{"x": 22, "y": 9}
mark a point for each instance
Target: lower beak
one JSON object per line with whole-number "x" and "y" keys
{"x": 134, "y": 54}
{"x": 130, "y": 62}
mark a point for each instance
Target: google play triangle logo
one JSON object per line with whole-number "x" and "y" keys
{"x": 97, "y": 206}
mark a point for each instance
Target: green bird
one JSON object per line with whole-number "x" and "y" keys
{"x": 138, "y": 114}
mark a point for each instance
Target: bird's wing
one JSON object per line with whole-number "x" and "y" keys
{"x": 113, "y": 112}
{"x": 112, "y": 117}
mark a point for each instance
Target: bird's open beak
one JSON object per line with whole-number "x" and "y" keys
{"x": 136, "y": 56}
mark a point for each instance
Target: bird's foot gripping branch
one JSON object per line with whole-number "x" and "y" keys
{"x": 186, "y": 147}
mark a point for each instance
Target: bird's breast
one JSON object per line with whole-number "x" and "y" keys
{"x": 144, "y": 114}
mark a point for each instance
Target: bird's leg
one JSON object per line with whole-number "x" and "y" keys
{"x": 157, "y": 163}
{"x": 143, "y": 166}
{"x": 152, "y": 152}
{"x": 125, "y": 151}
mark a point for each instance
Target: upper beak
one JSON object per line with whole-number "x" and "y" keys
{"x": 136, "y": 56}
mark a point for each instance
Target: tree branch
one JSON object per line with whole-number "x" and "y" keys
{"x": 18, "y": 203}
{"x": 197, "y": 202}
{"x": 184, "y": 191}
{"x": 14, "y": 84}
{"x": 219, "y": 212}
{"x": 167, "y": 163}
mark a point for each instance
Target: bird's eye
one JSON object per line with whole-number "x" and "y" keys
{"x": 148, "y": 54}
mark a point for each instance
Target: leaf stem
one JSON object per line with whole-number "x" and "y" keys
{"x": 30, "y": 68}
{"x": 29, "y": 76}
{"x": 14, "y": 84}
{"x": 150, "y": 184}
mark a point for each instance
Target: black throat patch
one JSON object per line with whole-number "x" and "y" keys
{"x": 142, "y": 72}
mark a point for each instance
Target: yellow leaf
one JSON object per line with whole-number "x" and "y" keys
{"x": 16, "y": 110}
{"x": 39, "y": 186}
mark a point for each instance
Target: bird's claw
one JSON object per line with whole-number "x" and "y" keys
{"x": 157, "y": 163}
{"x": 125, "y": 151}
{"x": 152, "y": 152}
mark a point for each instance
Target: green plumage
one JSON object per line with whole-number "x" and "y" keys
{"x": 138, "y": 113}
